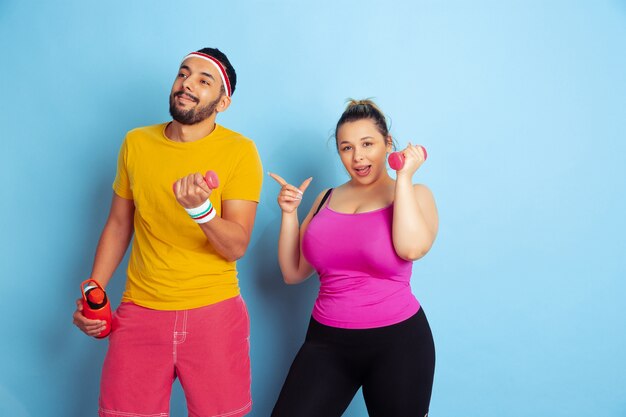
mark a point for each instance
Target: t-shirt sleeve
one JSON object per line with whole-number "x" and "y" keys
{"x": 121, "y": 185}
{"x": 247, "y": 176}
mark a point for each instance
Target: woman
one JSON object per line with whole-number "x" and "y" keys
{"x": 367, "y": 328}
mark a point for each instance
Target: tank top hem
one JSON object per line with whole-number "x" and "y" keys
{"x": 370, "y": 324}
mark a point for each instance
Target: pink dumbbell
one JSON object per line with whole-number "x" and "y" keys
{"x": 396, "y": 159}
{"x": 211, "y": 179}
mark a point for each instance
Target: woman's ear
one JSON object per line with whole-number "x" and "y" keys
{"x": 389, "y": 143}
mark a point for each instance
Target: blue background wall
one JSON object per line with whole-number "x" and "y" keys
{"x": 521, "y": 104}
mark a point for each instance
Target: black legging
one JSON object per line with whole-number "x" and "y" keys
{"x": 394, "y": 365}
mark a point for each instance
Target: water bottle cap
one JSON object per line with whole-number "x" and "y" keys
{"x": 96, "y": 296}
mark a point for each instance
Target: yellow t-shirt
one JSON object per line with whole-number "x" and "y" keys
{"x": 172, "y": 265}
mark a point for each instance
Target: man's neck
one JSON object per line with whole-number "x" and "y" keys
{"x": 179, "y": 132}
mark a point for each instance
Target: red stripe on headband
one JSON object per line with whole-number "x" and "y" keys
{"x": 219, "y": 65}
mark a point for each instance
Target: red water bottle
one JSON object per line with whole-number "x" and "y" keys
{"x": 396, "y": 159}
{"x": 96, "y": 305}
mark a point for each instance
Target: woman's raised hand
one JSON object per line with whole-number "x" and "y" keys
{"x": 414, "y": 157}
{"x": 290, "y": 197}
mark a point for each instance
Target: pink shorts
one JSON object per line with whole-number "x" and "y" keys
{"x": 206, "y": 348}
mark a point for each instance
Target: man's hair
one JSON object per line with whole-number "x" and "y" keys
{"x": 220, "y": 56}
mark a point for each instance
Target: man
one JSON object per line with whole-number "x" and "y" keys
{"x": 181, "y": 314}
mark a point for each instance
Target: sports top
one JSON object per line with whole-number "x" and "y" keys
{"x": 363, "y": 282}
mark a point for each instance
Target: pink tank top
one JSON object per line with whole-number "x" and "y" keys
{"x": 364, "y": 283}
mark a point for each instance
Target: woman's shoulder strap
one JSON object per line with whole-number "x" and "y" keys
{"x": 323, "y": 201}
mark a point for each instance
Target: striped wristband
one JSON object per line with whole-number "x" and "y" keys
{"x": 203, "y": 213}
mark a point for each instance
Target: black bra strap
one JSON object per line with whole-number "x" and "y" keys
{"x": 323, "y": 201}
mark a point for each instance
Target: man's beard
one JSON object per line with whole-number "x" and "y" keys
{"x": 192, "y": 116}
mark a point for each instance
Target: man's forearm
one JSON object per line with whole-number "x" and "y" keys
{"x": 114, "y": 240}
{"x": 110, "y": 251}
{"x": 228, "y": 238}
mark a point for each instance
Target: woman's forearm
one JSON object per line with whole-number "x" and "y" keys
{"x": 293, "y": 268}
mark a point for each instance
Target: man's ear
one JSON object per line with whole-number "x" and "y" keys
{"x": 223, "y": 104}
